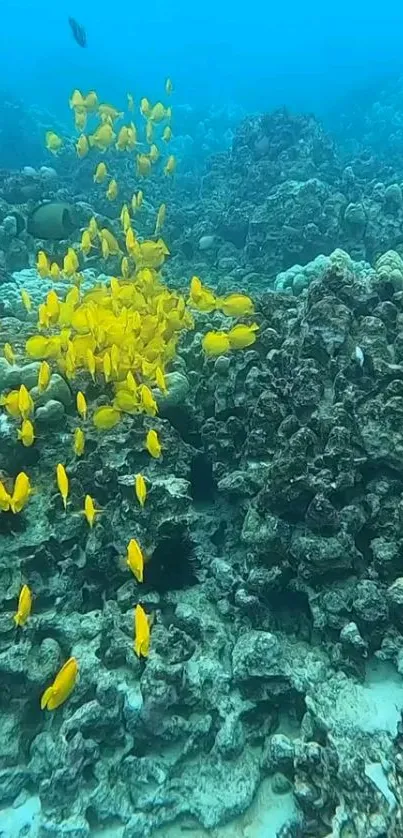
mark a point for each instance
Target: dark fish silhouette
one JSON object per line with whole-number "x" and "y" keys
{"x": 79, "y": 33}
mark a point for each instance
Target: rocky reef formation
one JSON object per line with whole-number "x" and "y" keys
{"x": 273, "y": 531}
{"x": 283, "y": 194}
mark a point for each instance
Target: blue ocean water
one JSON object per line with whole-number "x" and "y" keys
{"x": 258, "y": 55}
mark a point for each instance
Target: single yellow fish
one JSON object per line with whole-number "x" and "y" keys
{"x": 62, "y": 686}
{"x": 236, "y": 305}
{"x": 81, "y": 405}
{"x": 241, "y": 336}
{"x": 53, "y": 142}
{"x": 141, "y": 632}
{"x": 90, "y": 512}
{"x": 140, "y": 489}
{"x": 216, "y": 343}
{"x": 82, "y": 145}
{"x": 24, "y": 606}
{"x": 135, "y": 560}
{"x": 153, "y": 444}
{"x": 21, "y": 493}
{"x": 112, "y": 191}
{"x": 62, "y": 483}
{"x": 25, "y": 402}
{"x": 26, "y": 433}
{"x": 105, "y": 417}
{"x": 26, "y": 300}
{"x": 100, "y": 174}
{"x": 5, "y": 499}
{"x": 78, "y": 442}
{"x": 44, "y": 376}
{"x": 9, "y": 353}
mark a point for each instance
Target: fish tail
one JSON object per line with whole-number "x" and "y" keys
{"x": 17, "y": 619}
{"x": 45, "y": 697}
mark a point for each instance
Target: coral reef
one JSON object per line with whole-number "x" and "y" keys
{"x": 273, "y": 534}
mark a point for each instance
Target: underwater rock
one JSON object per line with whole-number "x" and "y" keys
{"x": 178, "y": 387}
{"x": 57, "y": 390}
{"x": 51, "y": 413}
{"x": 13, "y": 375}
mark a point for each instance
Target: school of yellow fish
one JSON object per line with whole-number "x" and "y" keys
{"x": 141, "y": 139}
{"x": 123, "y": 335}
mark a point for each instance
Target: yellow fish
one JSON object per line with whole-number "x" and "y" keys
{"x": 62, "y": 483}
{"x": 90, "y": 363}
{"x": 148, "y": 402}
{"x": 11, "y": 403}
{"x": 135, "y": 560}
{"x": 160, "y": 380}
{"x": 149, "y": 131}
{"x": 26, "y": 300}
{"x": 90, "y": 512}
{"x": 126, "y": 402}
{"x": 80, "y": 119}
{"x": 138, "y": 199}
{"x": 216, "y": 343}
{"x": 76, "y": 100}
{"x": 78, "y": 442}
{"x": 25, "y": 402}
{"x": 38, "y": 347}
{"x": 125, "y": 219}
{"x": 53, "y": 142}
{"x": 140, "y": 489}
{"x": 153, "y": 444}
{"x": 24, "y": 606}
{"x": 100, "y": 175}
{"x": 107, "y": 366}
{"x": 42, "y": 264}
{"x": 158, "y": 112}
{"x": 109, "y": 112}
{"x": 43, "y": 376}
{"x": 113, "y": 244}
{"x": 81, "y": 405}
{"x": 112, "y": 191}
{"x": 236, "y": 305}
{"x": 86, "y": 243}
{"x": 26, "y": 433}
{"x": 167, "y": 134}
{"x": 5, "y": 499}
{"x": 9, "y": 353}
{"x": 105, "y": 417}
{"x": 154, "y": 153}
{"x": 82, "y": 146}
{"x": 168, "y": 87}
{"x": 130, "y": 102}
{"x": 21, "y": 493}
{"x": 124, "y": 139}
{"x": 54, "y": 271}
{"x": 159, "y": 223}
{"x": 241, "y": 336}
{"x": 170, "y": 165}
{"x": 145, "y": 107}
{"x": 143, "y": 165}
{"x": 103, "y": 137}
{"x": 62, "y": 686}
{"x": 91, "y": 101}
{"x": 141, "y": 632}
